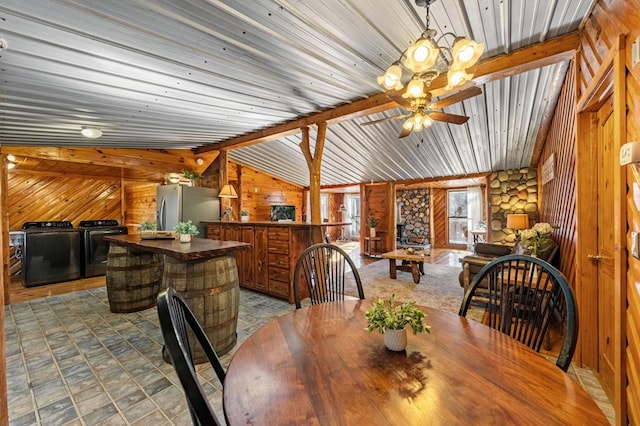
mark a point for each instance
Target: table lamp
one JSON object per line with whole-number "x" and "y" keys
{"x": 227, "y": 191}
{"x": 517, "y": 221}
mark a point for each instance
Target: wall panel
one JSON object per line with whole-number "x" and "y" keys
{"x": 558, "y": 205}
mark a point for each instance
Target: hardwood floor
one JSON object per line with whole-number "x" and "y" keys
{"x": 18, "y": 293}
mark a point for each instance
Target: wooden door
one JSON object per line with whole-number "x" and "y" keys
{"x": 607, "y": 166}
{"x": 246, "y": 257}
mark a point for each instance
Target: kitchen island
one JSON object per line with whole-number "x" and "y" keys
{"x": 203, "y": 271}
{"x": 269, "y": 264}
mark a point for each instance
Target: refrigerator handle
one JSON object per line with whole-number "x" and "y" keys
{"x": 161, "y": 216}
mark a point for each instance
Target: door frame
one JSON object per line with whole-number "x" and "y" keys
{"x": 609, "y": 80}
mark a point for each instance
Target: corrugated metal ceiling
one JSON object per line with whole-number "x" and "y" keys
{"x": 190, "y": 73}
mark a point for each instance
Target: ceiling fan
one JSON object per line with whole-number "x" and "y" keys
{"x": 422, "y": 112}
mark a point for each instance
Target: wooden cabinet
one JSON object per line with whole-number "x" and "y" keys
{"x": 269, "y": 265}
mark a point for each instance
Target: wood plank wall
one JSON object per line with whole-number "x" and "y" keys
{"x": 559, "y": 195}
{"x": 378, "y": 201}
{"x": 608, "y": 20}
{"x": 140, "y": 203}
{"x": 257, "y": 191}
{"x": 439, "y": 218}
{"x": 53, "y": 197}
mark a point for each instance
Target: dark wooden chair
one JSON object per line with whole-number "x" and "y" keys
{"x": 526, "y": 298}
{"x": 179, "y": 325}
{"x": 322, "y": 269}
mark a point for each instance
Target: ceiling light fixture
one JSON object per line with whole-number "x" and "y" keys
{"x": 425, "y": 60}
{"x": 91, "y": 132}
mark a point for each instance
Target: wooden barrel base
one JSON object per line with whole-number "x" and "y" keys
{"x": 133, "y": 278}
{"x": 211, "y": 289}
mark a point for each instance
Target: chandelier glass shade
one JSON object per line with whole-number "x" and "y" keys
{"x": 427, "y": 58}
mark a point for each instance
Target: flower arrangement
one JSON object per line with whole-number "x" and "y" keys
{"x": 372, "y": 222}
{"x": 147, "y": 226}
{"x": 186, "y": 228}
{"x": 383, "y": 316}
{"x": 537, "y": 237}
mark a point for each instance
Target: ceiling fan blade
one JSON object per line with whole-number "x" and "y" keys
{"x": 404, "y": 133}
{"x": 448, "y": 118}
{"x": 400, "y": 101}
{"x": 457, "y": 97}
{"x": 380, "y": 120}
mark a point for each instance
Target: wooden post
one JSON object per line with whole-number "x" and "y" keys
{"x": 313, "y": 163}
{"x": 4, "y": 294}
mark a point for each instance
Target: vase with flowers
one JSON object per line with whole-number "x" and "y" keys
{"x": 372, "y": 222}
{"x": 536, "y": 238}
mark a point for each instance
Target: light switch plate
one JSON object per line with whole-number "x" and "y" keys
{"x": 635, "y": 251}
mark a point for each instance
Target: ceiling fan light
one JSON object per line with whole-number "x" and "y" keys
{"x": 422, "y": 55}
{"x": 91, "y": 132}
{"x": 426, "y": 122}
{"x": 457, "y": 77}
{"x": 391, "y": 79}
{"x": 415, "y": 89}
{"x": 466, "y": 52}
{"x": 408, "y": 124}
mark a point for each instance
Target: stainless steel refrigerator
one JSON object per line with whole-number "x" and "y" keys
{"x": 180, "y": 203}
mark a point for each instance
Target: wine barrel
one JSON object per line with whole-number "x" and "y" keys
{"x": 133, "y": 277}
{"x": 211, "y": 289}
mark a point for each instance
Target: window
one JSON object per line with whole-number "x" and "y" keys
{"x": 457, "y": 216}
{"x": 324, "y": 206}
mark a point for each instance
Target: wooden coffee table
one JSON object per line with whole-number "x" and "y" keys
{"x": 410, "y": 262}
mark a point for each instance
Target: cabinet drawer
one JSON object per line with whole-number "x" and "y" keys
{"x": 279, "y": 288}
{"x": 213, "y": 232}
{"x": 279, "y": 247}
{"x": 279, "y": 234}
{"x": 278, "y": 274}
{"x": 279, "y": 260}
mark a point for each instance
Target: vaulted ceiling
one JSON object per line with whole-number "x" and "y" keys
{"x": 206, "y": 74}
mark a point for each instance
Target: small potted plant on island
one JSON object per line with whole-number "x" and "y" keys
{"x": 372, "y": 222}
{"x": 244, "y": 216}
{"x": 186, "y": 230}
{"x": 147, "y": 229}
{"x": 390, "y": 319}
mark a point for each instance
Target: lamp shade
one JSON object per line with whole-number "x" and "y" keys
{"x": 518, "y": 221}
{"x": 228, "y": 191}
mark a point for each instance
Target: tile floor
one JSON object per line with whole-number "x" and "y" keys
{"x": 70, "y": 361}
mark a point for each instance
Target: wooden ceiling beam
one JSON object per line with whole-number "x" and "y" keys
{"x": 164, "y": 160}
{"x": 526, "y": 59}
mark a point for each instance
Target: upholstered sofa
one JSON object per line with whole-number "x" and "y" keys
{"x": 486, "y": 252}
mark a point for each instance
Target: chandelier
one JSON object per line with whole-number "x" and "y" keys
{"x": 425, "y": 60}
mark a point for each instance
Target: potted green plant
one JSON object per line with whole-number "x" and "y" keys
{"x": 372, "y": 222}
{"x": 390, "y": 319}
{"x": 192, "y": 175}
{"x": 186, "y": 230}
{"x": 147, "y": 229}
{"x": 244, "y": 216}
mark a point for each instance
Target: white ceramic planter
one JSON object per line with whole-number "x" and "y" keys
{"x": 372, "y": 232}
{"x": 185, "y": 238}
{"x": 244, "y": 218}
{"x": 395, "y": 340}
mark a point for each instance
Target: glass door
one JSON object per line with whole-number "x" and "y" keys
{"x": 352, "y": 203}
{"x": 457, "y": 216}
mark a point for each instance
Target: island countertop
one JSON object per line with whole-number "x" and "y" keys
{"x": 197, "y": 249}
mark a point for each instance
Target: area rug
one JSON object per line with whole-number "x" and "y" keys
{"x": 438, "y": 287}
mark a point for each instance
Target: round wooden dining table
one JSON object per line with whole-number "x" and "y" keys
{"x": 320, "y": 366}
